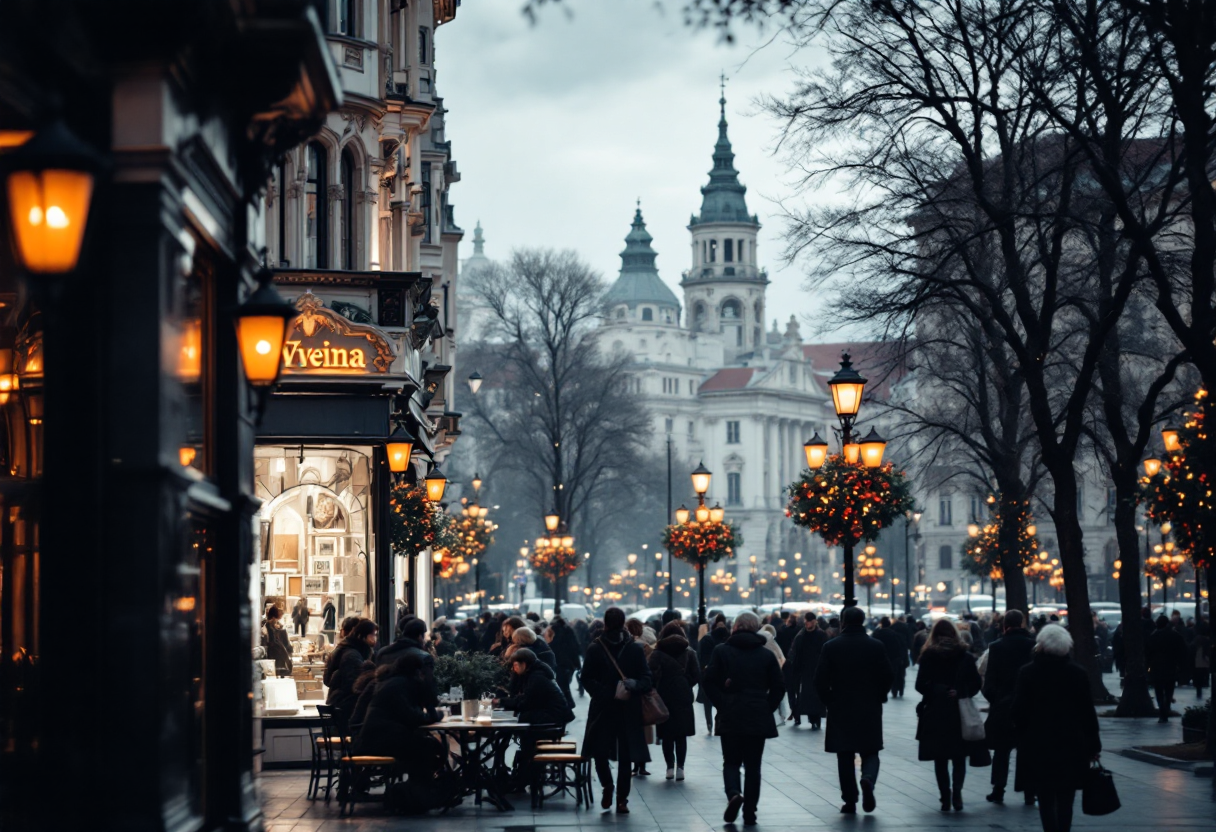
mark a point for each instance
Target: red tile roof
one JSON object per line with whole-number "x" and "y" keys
{"x": 871, "y": 358}
{"x": 730, "y": 378}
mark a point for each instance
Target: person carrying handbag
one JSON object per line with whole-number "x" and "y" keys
{"x": 614, "y": 662}
{"x": 946, "y": 673}
{"x": 744, "y": 683}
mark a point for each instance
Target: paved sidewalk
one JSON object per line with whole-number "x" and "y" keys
{"x": 800, "y": 792}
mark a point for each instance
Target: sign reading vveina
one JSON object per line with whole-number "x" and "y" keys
{"x": 322, "y": 342}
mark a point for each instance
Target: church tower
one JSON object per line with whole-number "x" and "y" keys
{"x": 639, "y": 295}
{"x": 724, "y": 289}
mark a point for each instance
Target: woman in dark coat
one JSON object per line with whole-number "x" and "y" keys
{"x": 276, "y": 642}
{"x": 744, "y": 681}
{"x": 718, "y": 633}
{"x": 676, "y": 670}
{"x": 346, "y": 664}
{"x": 947, "y": 673}
{"x": 1056, "y": 725}
{"x": 399, "y": 706}
{"x": 803, "y": 662}
{"x": 614, "y": 726}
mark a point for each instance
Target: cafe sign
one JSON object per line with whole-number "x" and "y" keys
{"x": 320, "y": 342}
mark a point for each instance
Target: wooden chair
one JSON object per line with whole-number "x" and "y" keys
{"x": 326, "y": 748}
{"x": 565, "y": 771}
{"x": 355, "y": 770}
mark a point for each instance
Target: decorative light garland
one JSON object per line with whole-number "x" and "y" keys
{"x": 842, "y": 501}
{"x": 1180, "y": 493}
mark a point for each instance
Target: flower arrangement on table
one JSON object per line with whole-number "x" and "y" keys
{"x": 842, "y": 501}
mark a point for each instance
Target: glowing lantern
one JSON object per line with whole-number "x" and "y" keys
{"x": 847, "y": 386}
{"x": 400, "y": 445}
{"x": 816, "y": 451}
{"x": 436, "y": 482}
{"x": 700, "y": 479}
{"x": 261, "y": 328}
{"x": 682, "y": 515}
{"x": 872, "y": 447}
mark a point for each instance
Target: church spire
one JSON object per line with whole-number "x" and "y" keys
{"x": 722, "y": 200}
{"x": 479, "y": 242}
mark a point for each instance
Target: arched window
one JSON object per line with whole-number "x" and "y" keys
{"x": 316, "y": 231}
{"x": 348, "y": 211}
{"x": 698, "y": 316}
{"x": 713, "y": 251}
{"x": 728, "y": 250}
{"x": 732, "y": 310}
{"x": 647, "y": 314}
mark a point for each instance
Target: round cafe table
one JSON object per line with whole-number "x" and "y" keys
{"x": 478, "y": 747}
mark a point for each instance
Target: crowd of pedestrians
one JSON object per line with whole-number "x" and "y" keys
{"x": 743, "y": 673}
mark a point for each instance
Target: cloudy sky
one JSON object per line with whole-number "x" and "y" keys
{"x": 558, "y": 127}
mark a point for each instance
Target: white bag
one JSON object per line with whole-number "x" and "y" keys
{"x": 971, "y": 719}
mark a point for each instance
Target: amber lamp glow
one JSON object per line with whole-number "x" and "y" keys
{"x": 186, "y": 454}
{"x": 703, "y": 514}
{"x": 436, "y": 482}
{"x": 816, "y": 451}
{"x": 8, "y": 379}
{"x": 852, "y": 453}
{"x": 261, "y": 328}
{"x": 551, "y": 520}
{"x": 1172, "y": 443}
{"x": 476, "y": 482}
{"x": 872, "y": 447}
{"x": 716, "y": 514}
{"x": 700, "y": 479}
{"x": 399, "y": 446}
{"x": 847, "y": 386}
{"x": 1152, "y": 467}
{"x": 681, "y": 515}
{"x": 567, "y": 541}
{"x": 190, "y": 361}
{"x": 50, "y": 187}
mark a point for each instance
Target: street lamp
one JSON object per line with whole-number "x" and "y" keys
{"x": 399, "y": 445}
{"x": 261, "y": 329}
{"x": 681, "y": 515}
{"x": 700, "y": 481}
{"x": 871, "y": 449}
{"x": 551, "y": 520}
{"x": 1173, "y": 444}
{"x": 476, "y": 483}
{"x": 1152, "y": 467}
{"x": 436, "y": 484}
{"x": 847, "y": 387}
{"x": 474, "y": 382}
{"x": 49, "y": 179}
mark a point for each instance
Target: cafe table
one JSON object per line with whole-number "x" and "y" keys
{"x": 480, "y": 746}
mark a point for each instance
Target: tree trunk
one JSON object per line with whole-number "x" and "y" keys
{"x": 1007, "y": 538}
{"x": 1076, "y": 582}
{"x": 1135, "y": 700}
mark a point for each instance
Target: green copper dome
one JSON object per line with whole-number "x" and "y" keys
{"x": 639, "y": 281}
{"x": 722, "y": 199}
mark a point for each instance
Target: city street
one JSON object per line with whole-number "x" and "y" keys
{"x": 800, "y": 791}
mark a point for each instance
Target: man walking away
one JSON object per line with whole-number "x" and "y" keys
{"x": 800, "y": 668}
{"x": 744, "y": 683}
{"x": 853, "y": 678}
{"x": 1006, "y": 657}
{"x": 897, "y": 654}
{"x": 1166, "y": 653}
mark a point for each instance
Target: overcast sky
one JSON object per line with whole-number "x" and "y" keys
{"x": 557, "y": 128}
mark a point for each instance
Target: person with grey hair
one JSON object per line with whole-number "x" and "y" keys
{"x": 744, "y": 683}
{"x": 1056, "y": 726}
{"x": 852, "y": 680}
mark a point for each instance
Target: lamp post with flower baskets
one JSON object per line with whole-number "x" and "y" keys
{"x": 851, "y": 496}
{"x": 554, "y": 555}
{"x": 869, "y": 572}
{"x": 701, "y": 536}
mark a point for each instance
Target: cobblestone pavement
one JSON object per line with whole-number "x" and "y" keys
{"x": 800, "y": 792}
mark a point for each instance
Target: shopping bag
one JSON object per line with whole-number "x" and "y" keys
{"x": 1098, "y": 794}
{"x": 973, "y": 722}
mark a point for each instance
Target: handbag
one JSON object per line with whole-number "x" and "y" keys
{"x": 654, "y": 709}
{"x": 1098, "y": 794}
{"x": 971, "y": 719}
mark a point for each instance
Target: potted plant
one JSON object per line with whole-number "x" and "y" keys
{"x": 474, "y": 673}
{"x": 1195, "y": 722}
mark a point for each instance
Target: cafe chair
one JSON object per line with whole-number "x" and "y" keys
{"x": 326, "y": 749}
{"x": 565, "y": 772}
{"x": 356, "y": 771}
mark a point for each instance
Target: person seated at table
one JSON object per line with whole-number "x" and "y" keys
{"x": 401, "y": 705}
{"x": 539, "y": 701}
{"x": 345, "y": 665}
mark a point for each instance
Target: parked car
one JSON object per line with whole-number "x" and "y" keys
{"x": 647, "y": 613}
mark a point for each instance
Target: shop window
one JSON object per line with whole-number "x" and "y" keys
{"x": 734, "y": 489}
{"x": 316, "y": 208}
{"x": 348, "y": 211}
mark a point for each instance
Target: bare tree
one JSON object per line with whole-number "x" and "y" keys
{"x": 559, "y": 413}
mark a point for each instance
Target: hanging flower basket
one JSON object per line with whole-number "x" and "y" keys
{"x": 416, "y": 523}
{"x": 841, "y": 501}
{"x": 702, "y": 543}
{"x": 554, "y": 563}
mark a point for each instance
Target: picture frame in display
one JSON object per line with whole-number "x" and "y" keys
{"x": 354, "y": 603}
{"x": 314, "y": 604}
{"x": 275, "y": 584}
{"x": 336, "y": 584}
{"x": 315, "y": 584}
{"x": 322, "y": 565}
{"x": 295, "y": 585}
{"x": 325, "y": 547}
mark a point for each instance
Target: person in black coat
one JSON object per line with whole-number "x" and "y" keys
{"x": 276, "y": 642}
{"x": 897, "y": 654}
{"x": 300, "y": 615}
{"x": 566, "y": 653}
{"x": 790, "y": 627}
{"x": 1166, "y": 653}
{"x": 946, "y": 674}
{"x": 1056, "y": 726}
{"x": 614, "y": 726}
{"x": 1006, "y": 658}
{"x": 329, "y": 618}
{"x": 676, "y": 671}
{"x": 346, "y": 664}
{"x": 718, "y": 633}
{"x": 852, "y": 679}
{"x": 743, "y": 680}
{"x": 538, "y": 701}
{"x": 801, "y": 664}
{"x": 399, "y": 707}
